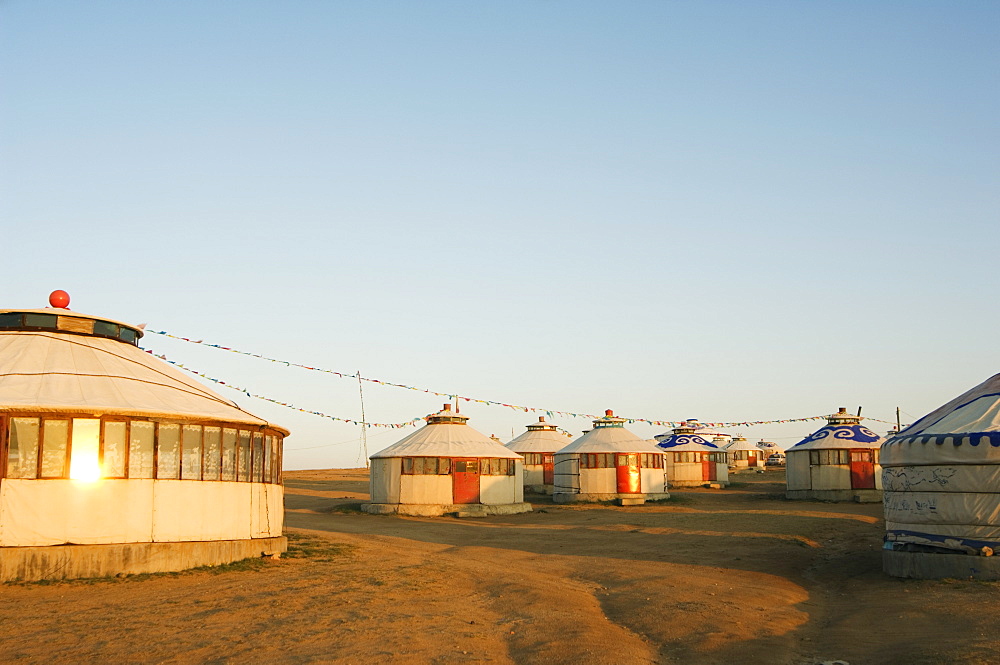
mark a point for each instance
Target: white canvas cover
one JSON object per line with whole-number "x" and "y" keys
{"x": 739, "y": 443}
{"x": 541, "y": 437}
{"x": 604, "y": 439}
{"x": 446, "y": 439}
{"x": 53, "y": 372}
{"x": 942, "y": 475}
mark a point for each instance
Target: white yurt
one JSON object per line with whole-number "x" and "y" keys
{"x": 111, "y": 457}
{"x": 609, "y": 463}
{"x": 941, "y": 477}
{"x": 538, "y": 447}
{"x": 745, "y": 455}
{"x": 838, "y": 462}
{"x": 447, "y": 467}
{"x": 692, "y": 460}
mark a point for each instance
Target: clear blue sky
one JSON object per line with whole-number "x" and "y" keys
{"x": 721, "y": 210}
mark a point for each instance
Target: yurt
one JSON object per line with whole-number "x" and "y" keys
{"x": 692, "y": 460}
{"x": 768, "y": 448}
{"x": 838, "y": 462}
{"x": 447, "y": 467}
{"x": 745, "y": 455}
{"x": 609, "y": 463}
{"x": 115, "y": 463}
{"x": 538, "y": 446}
{"x": 942, "y": 491}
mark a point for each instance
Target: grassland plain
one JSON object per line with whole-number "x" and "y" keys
{"x": 710, "y": 576}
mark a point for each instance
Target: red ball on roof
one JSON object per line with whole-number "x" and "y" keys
{"x": 59, "y": 298}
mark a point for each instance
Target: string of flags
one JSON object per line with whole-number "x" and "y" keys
{"x": 552, "y": 413}
{"x": 409, "y": 423}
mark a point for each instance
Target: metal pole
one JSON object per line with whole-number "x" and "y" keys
{"x": 364, "y": 423}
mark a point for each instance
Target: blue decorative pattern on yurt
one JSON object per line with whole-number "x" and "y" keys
{"x": 683, "y": 439}
{"x": 965, "y": 438}
{"x": 845, "y": 433}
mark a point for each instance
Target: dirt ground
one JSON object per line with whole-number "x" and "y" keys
{"x": 711, "y": 576}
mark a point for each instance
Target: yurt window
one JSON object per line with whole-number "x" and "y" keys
{"x": 243, "y": 458}
{"x": 833, "y": 456}
{"x": 426, "y": 466}
{"x": 258, "y": 457}
{"x": 140, "y": 449}
{"x": 127, "y": 335}
{"x": 22, "y": 453}
{"x": 191, "y": 456}
{"x": 105, "y": 329}
{"x": 532, "y": 458}
{"x": 168, "y": 451}
{"x": 213, "y": 452}
{"x": 597, "y": 460}
{"x": 651, "y": 461}
{"x": 113, "y": 451}
{"x": 229, "y": 454}
{"x": 46, "y": 321}
{"x": 55, "y": 444}
{"x": 268, "y": 446}
{"x": 10, "y": 320}
{"x": 85, "y": 449}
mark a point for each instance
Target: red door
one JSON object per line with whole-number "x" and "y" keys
{"x": 751, "y": 459}
{"x": 465, "y": 480}
{"x": 708, "y": 471}
{"x": 862, "y": 470}
{"x": 629, "y": 481}
{"x": 548, "y": 474}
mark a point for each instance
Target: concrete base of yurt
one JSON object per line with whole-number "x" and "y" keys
{"x": 936, "y": 566}
{"x": 60, "y": 562}
{"x": 633, "y": 499}
{"x": 858, "y": 496}
{"x": 698, "y": 483}
{"x": 437, "y": 510}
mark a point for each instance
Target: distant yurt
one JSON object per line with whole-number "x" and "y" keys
{"x": 447, "y": 467}
{"x": 942, "y": 491}
{"x": 692, "y": 460}
{"x": 768, "y": 447}
{"x": 538, "y": 446}
{"x": 114, "y": 462}
{"x": 745, "y": 455}
{"x": 838, "y": 462}
{"x": 609, "y": 463}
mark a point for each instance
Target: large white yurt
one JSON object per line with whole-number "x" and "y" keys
{"x": 692, "y": 460}
{"x": 538, "y": 446}
{"x": 941, "y": 477}
{"x": 745, "y": 455}
{"x": 114, "y": 462}
{"x": 447, "y": 467}
{"x": 837, "y": 462}
{"x": 609, "y": 463}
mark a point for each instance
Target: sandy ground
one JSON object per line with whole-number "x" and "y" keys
{"x": 732, "y": 576}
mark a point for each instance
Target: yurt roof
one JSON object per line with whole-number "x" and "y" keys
{"x": 964, "y": 430}
{"x": 541, "y": 437}
{"x": 841, "y": 431}
{"x": 742, "y": 444}
{"x": 681, "y": 442}
{"x": 688, "y": 446}
{"x": 609, "y": 436}
{"x": 446, "y": 434}
{"x": 70, "y": 368}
